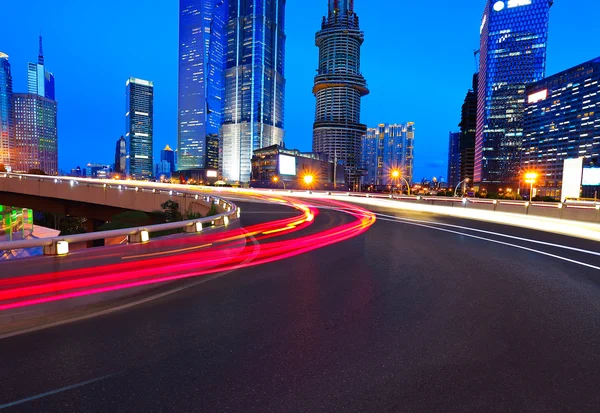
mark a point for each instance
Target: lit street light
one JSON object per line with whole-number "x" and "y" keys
{"x": 308, "y": 180}
{"x": 530, "y": 178}
{"x": 276, "y": 179}
{"x": 397, "y": 175}
{"x": 464, "y": 182}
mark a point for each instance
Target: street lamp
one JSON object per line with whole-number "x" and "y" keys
{"x": 308, "y": 180}
{"x": 397, "y": 175}
{"x": 530, "y": 178}
{"x": 464, "y": 182}
{"x": 276, "y": 179}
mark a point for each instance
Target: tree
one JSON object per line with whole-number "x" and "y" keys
{"x": 171, "y": 209}
{"x": 36, "y": 172}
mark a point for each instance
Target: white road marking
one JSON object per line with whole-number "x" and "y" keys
{"x": 496, "y": 242}
{"x": 52, "y": 392}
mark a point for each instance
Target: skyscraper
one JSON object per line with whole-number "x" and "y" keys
{"x": 121, "y": 156}
{"x": 339, "y": 86}
{"x": 39, "y": 80}
{"x": 454, "y": 159}
{"x": 514, "y": 35}
{"x": 468, "y": 128}
{"x": 202, "y": 43}
{"x": 168, "y": 155}
{"x": 388, "y": 148}
{"x": 7, "y": 137}
{"x": 36, "y": 133}
{"x": 254, "y": 84}
{"x": 139, "y": 120}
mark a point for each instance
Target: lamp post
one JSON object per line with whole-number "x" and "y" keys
{"x": 464, "y": 182}
{"x": 276, "y": 179}
{"x": 308, "y": 180}
{"x": 397, "y": 175}
{"x": 530, "y": 178}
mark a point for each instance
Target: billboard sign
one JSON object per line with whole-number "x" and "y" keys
{"x": 591, "y": 177}
{"x": 287, "y": 165}
{"x": 572, "y": 176}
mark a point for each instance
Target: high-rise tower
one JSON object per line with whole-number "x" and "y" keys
{"x": 202, "y": 42}
{"x": 254, "y": 84}
{"x": 7, "y": 137}
{"x": 39, "y": 80}
{"x": 514, "y": 34}
{"x": 339, "y": 87}
{"x": 139, "y": 127}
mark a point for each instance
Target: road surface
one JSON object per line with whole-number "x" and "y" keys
{"x": 411, "y": 316}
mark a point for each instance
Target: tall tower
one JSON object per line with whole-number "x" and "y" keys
{"x": 139, "y": 127}
{"x": 514, "y": 35}
{"x": 7, "y": 137}
{"x": 339, "y": 87}
{"x": 254, "y": 83}
{"x": 202, "y": 43}
{"x": 39, "y": 80}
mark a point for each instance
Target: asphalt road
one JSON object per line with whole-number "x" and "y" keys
{"x": 408, "y": 317}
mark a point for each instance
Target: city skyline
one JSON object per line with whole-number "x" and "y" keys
{"x": 378, "y": 107}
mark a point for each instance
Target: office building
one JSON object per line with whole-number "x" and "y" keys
{"x": 339, "y": 87}
{"x": 36, "y": 133}
{"x": 39, "y": 80}
{"x": 278, "y": 167}
{"x": 7, "y": 131}
{"x": 386, "y": 149}
{"x": 454, "y": 159}
{"x": 468, "y": 128}
{"x": 514, "y": 35}
{"x": 202, "y": 44}
{"x": 562, "y": 121}
{"x": 97, "y": 170}
{"x": 121, "y": 156}
{"x": 139, "y": 120}
{"x": 254, "y": 84}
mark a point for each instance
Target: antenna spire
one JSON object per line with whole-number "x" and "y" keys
{"x": 41, "y": 55}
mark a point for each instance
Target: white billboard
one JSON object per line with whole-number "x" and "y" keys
{"x": 572, "y": 175}
{"x": 211, "y": 174}
{"x": 287, "y": 165}
{"x": 591, "y": 177}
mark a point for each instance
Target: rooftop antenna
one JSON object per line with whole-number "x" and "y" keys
{"x": 41, "y": 55}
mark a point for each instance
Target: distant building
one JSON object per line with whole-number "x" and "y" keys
{"x": 468, "y": 129}
{"x": 276, "y": 167}
{"x": 163, "y": 170}
{"x": 254, "y": 84}
{"x": 121, "y": 156}
{"x": 454, "y": 159}
{"x": 7, "y": 127}
{"x": 97, "y": 170}
{"x": 39, "y": 80}
{"x": 78, "y": 172}
{"x": 202, "y": 58}
{"x": 562, "y": 121}
{"x": 36, "y": 133}
{"x": 339, "y": 86}
{"x": 168, "y": 155}
{"x": 385, "y": 149}
{"x": 514, "y": 36}
{"x": 140, "y": 127}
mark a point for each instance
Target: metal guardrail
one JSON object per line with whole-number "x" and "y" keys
{"x": 136, "y": 234}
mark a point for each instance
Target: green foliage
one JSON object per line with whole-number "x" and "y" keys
{"x": 72, "y": 226}
{"x": 127, "y": 219}
{"x": 171, "y": 209}
{"x": 36, "y": 172}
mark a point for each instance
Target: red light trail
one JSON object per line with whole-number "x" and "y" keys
{"x": 228, "y": 251}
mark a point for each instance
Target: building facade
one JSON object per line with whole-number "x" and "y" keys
{"x": 468, "y": 129}
{"x": 202, "y": 45}
{"x": 514, "y": 36}
{"x": 36, "y": 133}
{"x": 278, "y": 167}
{"x": 168, "y": 155}
{"x": 254, "y": 84}
{"x": 121, "y": 156}
{"x": 562, "y": 121}
{"x": 139, "y": 121}
{"x": 7, "y": 128}
{"x": 39, "y": 80}
{"x": 454, "y": 159}
{"x": 385, "y": 149}
{"x": 339, "y": 87}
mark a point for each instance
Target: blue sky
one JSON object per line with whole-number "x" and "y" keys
{"x": 417, "y": 59}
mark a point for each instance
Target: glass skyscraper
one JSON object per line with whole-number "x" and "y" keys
{"x": 339, "y": 87}
{"x": 7, "y": 137}
{"x": 39, "y": 80}
{"x": 121, "y": 156}
{"x": 388, "y": 148}
{"x": 202, "y": 43}
{"x": 562, "y": 121}
{"x": 514, "y": 35}
{"x": 254, "y": 84}
{"x": 139, "y": 120}
{"x": 454, "y": 159}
